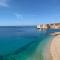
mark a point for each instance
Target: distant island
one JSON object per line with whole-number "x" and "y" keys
{"x": 49, "y": 26}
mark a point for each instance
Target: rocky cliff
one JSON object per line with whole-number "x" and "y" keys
{"x": 49, "y": 26}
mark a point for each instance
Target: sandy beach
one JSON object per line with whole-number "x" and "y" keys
{"x": 55, "y": 48}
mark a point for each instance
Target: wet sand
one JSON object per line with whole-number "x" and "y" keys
{"x": 55, "y": 47}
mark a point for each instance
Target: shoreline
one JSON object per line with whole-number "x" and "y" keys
{"x": 55, "y": 47}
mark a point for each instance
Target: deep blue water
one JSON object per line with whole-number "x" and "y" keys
{"x": 12, "y": 38}
{"x": 21, "y": 40}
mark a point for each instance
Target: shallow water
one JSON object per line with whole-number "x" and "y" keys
{"x": 23, "y": 43}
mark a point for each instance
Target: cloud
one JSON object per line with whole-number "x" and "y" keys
{"x": 19, "y": 16}
{"x": 4, "y": 3}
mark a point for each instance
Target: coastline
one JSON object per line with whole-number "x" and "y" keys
{"x": 55, "y": 47}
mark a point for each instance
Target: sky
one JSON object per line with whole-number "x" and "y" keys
{"x": 29, "y": 12}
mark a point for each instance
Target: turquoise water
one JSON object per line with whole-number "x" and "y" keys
{"x": 23, "y": 43}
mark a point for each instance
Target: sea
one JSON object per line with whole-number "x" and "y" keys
{"x": 24, "y": 43}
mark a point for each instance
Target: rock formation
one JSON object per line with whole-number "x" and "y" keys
{"x": 49, "y": 26}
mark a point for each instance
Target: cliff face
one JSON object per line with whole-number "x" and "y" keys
{"x": 45, "y": 26}
{"x": 55, "y": 26}
{"x": 49, "y": 26}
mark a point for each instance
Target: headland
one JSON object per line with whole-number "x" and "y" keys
{"x": 49, "y": 26}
